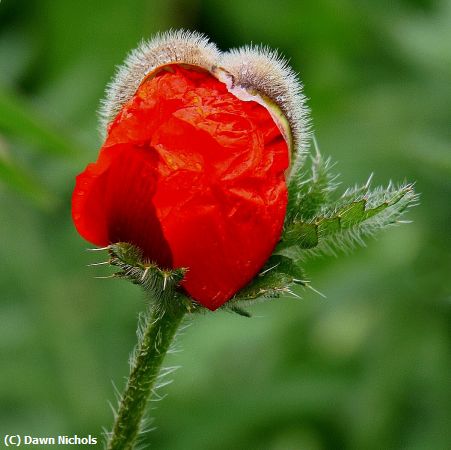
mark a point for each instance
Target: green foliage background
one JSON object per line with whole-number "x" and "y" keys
{"x": 368, "y": 368}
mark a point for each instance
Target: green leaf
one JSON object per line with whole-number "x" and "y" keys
{"x": 343, "y": 224}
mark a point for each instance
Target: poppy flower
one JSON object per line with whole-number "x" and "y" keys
{"x": 193, "y": 169}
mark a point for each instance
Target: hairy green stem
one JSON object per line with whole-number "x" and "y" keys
{"x": 160, "y": 329}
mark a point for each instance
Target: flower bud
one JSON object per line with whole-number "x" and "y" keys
{"x": 194, "y": 164}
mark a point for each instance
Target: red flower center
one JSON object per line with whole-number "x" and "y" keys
{"x": 193, "y": 176}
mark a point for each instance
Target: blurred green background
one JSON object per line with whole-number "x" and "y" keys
{"x": 368, "y": 368}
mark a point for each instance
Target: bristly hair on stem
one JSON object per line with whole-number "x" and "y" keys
{"x": 157, "y": 328}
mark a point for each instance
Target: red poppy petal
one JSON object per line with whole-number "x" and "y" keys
{"x": 194, "y": 177}
{"x": 112, "y": 202}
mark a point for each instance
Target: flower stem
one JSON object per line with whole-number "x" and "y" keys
{"x": 158, "y": 333}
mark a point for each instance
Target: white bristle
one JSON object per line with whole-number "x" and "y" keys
{"x": 182, "y": 46}
{"x": 267, "y": 72}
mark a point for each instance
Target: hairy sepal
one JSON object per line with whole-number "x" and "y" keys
{"x": 161, "y": 286}
{"x": 276, "y": 279}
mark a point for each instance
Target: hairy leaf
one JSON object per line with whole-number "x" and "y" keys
{"x": 344, "y": 223}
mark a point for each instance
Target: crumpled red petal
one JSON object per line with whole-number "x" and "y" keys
{"x": 194, "y": 177}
